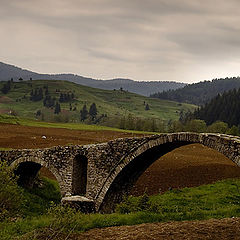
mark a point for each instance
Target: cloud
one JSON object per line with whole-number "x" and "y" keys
{"x": 144, "y": 40}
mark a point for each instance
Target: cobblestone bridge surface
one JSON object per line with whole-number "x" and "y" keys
{"x": 102, "y": 173}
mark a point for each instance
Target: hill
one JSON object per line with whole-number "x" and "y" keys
{"x": 224, "y": 107}
{"x": 38, "y": 99}
{"x": 8, "y": 72}
{"x": 200, "y": 93}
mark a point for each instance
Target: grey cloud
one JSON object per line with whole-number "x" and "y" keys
{"x": 154, "y": 39}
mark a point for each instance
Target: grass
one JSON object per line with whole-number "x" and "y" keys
{"x": 39, "y": 199}
{"x": 113, "y": 103}
{"x": 219, "y": 200}
{"x": 4, "y": 118}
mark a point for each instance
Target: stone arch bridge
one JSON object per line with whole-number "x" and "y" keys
{"x": 103, "y": 173}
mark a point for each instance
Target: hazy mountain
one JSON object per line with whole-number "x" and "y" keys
{"x": 144, "y": 88}
{"x": 200, "y": 93}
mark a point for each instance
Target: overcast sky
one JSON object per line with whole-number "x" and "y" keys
{"x": 181, "y": 40}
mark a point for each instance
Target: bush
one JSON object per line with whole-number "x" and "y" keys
{"x": 11, "y": 197}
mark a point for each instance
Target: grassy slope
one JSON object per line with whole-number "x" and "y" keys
{"x": 4, "y": 118}
{"x": 217, "y": 200}
{"x": 112, "y": 103}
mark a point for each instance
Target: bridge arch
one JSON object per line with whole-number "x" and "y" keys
{"x": 131, "y": 166}
{"x": 28, "y": 167}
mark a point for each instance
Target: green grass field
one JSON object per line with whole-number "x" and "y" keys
{"x": 113, "y": 103}
{"x": 218, "y": 200}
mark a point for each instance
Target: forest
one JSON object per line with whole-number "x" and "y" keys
{"x": 201, "y": 92}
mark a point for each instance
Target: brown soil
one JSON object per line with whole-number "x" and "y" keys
{"x": 208, "y": 229}
{"x": 187, "y": 166}
{"x": 5, "y": 99}
{"x": 19, "y": 137}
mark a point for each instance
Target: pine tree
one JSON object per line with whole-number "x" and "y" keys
{"x": 57, "y": 109}
{"x": 84, "y": 113}
{"x": 6, "y": 87}
{"x": 93, "y": 111}
{"x": 147, "y": 107}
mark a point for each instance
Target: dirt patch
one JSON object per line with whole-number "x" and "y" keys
{"x": 5, "y": 99}
{"x": 213, "y": 229}
{"x": 4, "y": 111}
{"x": 209, "y": 229}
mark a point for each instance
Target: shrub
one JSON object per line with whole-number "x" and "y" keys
{"x": 11, "y": 197}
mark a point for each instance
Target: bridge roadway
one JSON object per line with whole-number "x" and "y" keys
{"x": 95, "y": 177}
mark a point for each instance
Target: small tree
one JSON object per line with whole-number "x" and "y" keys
{"x": 38, "y": 113}
{"x": 84, "y": 113}
{"x": 6, "y": 87}
{"x": 196, "y": 125}
{"x": 93, "y": 111}
{"x": 147, "y": 107}
{"x": 57, "y": 109}
{"x": 234, "y": 130}
{"x": 218, "y": 127}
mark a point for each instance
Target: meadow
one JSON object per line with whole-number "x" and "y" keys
{"x": 113, "y": 104}
{"x": 218, "y": 200}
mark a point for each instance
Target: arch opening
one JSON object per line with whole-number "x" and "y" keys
{"x": 27, "y": 172}
{"x": 79, "y": 175}
{"x": 132, "y": 172}
{"x": 124, "y": 181}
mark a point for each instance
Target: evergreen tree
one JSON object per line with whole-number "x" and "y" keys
{"x": 6, "y": 87}
{"x": 48, "y": 101}
{"x": 147, "y": 107}
{"x": 84, "y": 113}
{"x": 36, "y": 95}
{"x": 93, "y": 111}
{"x": 57, "y": 109}
{"x": 46, "y": 90}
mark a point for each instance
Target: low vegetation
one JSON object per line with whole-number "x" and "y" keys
{"x": 200, "y": 126}
{"x": 4, "y": 118}
{"x": 38, "y": 211}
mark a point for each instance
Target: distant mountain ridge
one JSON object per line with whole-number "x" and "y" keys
{"x": 140, "y": 87}
{"x": 201, "y": 92}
